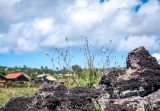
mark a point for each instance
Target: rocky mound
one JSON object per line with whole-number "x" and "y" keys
{"x": 135, "y": 103}
{"x": 140, "y": 78}
{"x": 134, "y": 88}
{"x": 18, "y": 103}
{"x": 55, "y": 98}
{"x": 140, "y": 58}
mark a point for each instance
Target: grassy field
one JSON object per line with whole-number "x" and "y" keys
{"x": 6, "y": 93}
{"x": 85, "y": 79}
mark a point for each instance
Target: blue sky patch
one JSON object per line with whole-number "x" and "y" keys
{"x": 137, "y": 8}
{"x": 101, "y": 1}
{"x": 144, "y": 1}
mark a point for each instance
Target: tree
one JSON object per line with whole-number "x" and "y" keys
{"x": 3, "y": 72}
{"x": 77, "y": 69}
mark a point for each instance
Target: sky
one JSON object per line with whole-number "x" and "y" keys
{"x": 29, "y": 28}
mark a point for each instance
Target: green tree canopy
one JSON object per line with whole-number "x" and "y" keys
{"x": 77, "y": 69}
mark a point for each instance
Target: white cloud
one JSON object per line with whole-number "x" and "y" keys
{"x": 24, "y": 45}
{"x": 22, "y": 37}
{"x": 4, "y": 49}
{"x": 136, "y": 41}
{"x": 9, "y": 2}
{"x": 81, "y": 3}
{"x": 45, "y": 26}
{"x": 55, "y": 41}
{"x": 52, "y": 41}
{"x": 156, "y": 55}
{"x": 47, "y": 23}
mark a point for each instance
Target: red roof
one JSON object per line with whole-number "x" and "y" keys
{"x": 14, "y": 75}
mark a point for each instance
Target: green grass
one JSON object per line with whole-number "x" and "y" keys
{"x": 6, "y": 93}
{"x": 96, "y": 105}
{"x": 86, "y": 79}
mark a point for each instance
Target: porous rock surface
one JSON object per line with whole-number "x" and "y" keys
{"x": 140, "y": 78}
{"x": 55, "y": 98}
{"x": 134, "y": 88}
{"x": 134, "y": 103}
{"x": 18, "y": 103}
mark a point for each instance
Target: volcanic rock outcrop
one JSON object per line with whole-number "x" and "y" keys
{"x": 140, "y": 78}
{"x": 134, "y": 88}
{"x": 135, "y": 103}
{"x": 55, "y": 98}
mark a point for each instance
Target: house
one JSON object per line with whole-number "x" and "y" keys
{"x": 19, "y": 76}
{"x": 2, "y": 80}
{"x": 51, "y": 78}
{"x": 68, "y": 75}
{"x": 45, "y": 78}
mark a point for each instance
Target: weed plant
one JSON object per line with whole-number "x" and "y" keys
{"x": 90, "y": 75}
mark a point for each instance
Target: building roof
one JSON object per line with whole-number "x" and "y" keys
{"x": 42, "y": 75}
{"x": 14, "y": 75}
{"x": 51, "y": 78}
{"x": 67, "y": 75}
